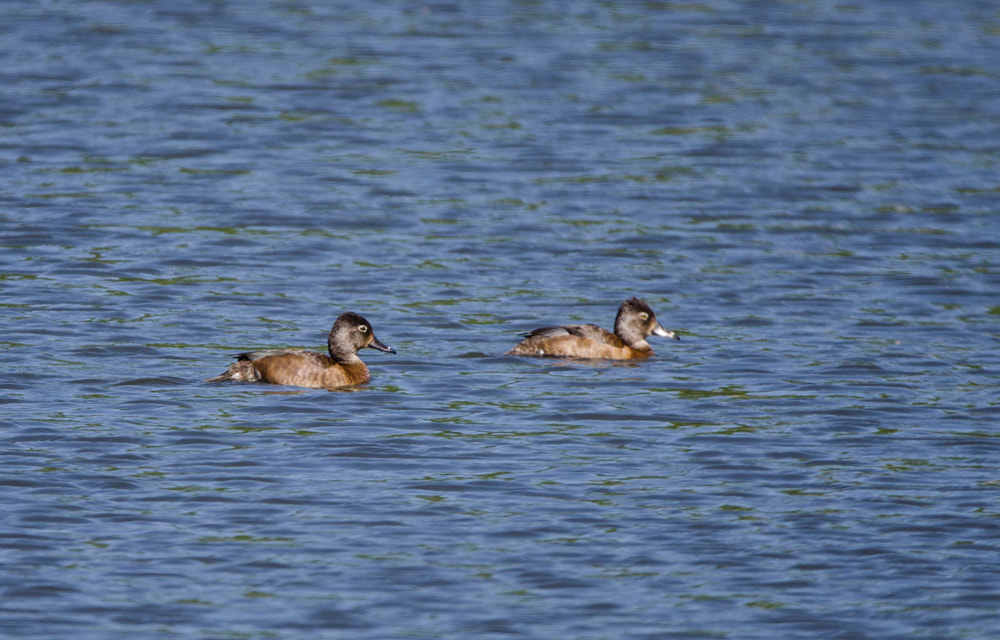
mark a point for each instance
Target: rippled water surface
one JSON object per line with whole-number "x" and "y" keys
{"x": 806, "y": 191}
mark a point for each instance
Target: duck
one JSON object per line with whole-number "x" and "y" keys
{"x": 633, "y": 324}
{"x": 309, "y": 369}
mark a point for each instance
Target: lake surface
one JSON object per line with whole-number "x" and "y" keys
{"x": 808, "y": 192}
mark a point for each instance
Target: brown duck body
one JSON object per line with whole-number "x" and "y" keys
{"x": 577, "y": 341}
{"x": 303, "y": 368}
{"x": 634, "y": 323}
{"x": 296, "y": 368}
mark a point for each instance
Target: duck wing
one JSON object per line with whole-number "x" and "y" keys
{"x": 589, "y": 331}
{"x": 311, "y": 356}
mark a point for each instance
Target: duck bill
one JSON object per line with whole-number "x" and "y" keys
{"x": 377, "y": 344}
{"x": 661, "y": 331}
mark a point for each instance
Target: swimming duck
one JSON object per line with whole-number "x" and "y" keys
{"x": 633, "y": 324}
{"x": 304, "y": 368}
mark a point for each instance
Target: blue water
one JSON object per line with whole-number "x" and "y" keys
{"x": 806, "y": 191}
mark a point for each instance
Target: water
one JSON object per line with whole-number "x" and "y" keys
{"x": 806, "y": 191}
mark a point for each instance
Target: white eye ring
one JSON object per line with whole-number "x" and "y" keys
{"x": 362, "y": 328}
{"x": 644, "y": 316}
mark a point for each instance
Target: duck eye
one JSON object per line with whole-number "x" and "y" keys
{"x": 644, "y": 316}
{"x": 362, "y": 328}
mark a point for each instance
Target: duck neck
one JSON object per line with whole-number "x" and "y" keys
{"x": 631, "y": 336}
{"x": 341, "y": 353}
